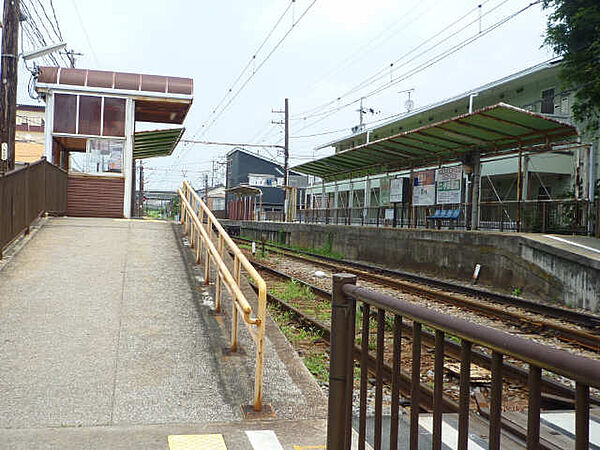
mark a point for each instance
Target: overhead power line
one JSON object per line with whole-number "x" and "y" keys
{"x": 383, "y": 72}
{"x": 424, "y": 65}
{"x": 256, "y": 70}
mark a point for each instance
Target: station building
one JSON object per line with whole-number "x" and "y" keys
{"x": 558, "y": 171}
{"x": 91, "y": 120}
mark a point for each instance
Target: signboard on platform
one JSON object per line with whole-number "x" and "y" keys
{"x": 449, "y": 185}
{"x": 424, "y": 188}
{"x": 397, "y": 194}
{"x": 384, "y": 191}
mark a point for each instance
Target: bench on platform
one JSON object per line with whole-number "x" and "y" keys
{"x": 444, "y": 214}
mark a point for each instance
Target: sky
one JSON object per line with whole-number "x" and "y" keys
{"x": 317, "y": 54}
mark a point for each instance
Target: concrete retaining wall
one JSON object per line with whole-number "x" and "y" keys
{"x": 510, "y": 262}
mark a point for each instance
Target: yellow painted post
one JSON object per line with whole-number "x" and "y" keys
{"x": 218, "y": 293}
{"x": 199, "y": 252}
{"x": 260, "y": 342}
{"x": 192, "y": 243}
{"x": 237, "y": 272}
{"x": 207, "y": 267}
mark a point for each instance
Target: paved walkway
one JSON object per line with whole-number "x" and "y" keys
{"x": 105, "y": 343}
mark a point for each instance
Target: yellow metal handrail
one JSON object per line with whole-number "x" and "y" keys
{"x": 201, "y": 225}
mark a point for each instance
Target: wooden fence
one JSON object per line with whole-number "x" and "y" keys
{"x": 28, "y": 192}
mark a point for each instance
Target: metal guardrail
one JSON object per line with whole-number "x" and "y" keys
{"x": 568, "y": 216}
{"x": 204, "y": 230}
{"x": 28, "y": 192}
{"x": 583, "y": 371}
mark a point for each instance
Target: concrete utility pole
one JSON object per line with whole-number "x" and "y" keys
{"x": 206, "y": 189}
{"x": 141, "y": 193}
{"x": 8, "y": 96}
{"x": 286, "y": 145}
{"x": 286, "y": 154}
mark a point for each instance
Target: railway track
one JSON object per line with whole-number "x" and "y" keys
{"x": 492, "y": 305}
{"x": 426, "y": 393}
{"x": 451, "y": 348}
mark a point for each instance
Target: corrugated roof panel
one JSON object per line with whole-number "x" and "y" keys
{"x": 149, "y": 144}
{"x": 496, "y": 129}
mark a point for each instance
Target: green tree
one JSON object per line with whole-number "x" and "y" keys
{"x": 573, "y": 31}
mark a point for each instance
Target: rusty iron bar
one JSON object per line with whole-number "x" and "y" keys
{"x": 584, "y": 371}
{"x": 379, "y": 378}
{"x": 337, "y": 423}
{"x": 495, "y": 401}
{"x": 464, "y": 399}
{"x": 396, "y": 364}
{"x": 582, "y": 417}
{"x": 533, "y": 407}
{"x": 561, "y": 362}
{"x": 364, "y": 376}
{"x": 438, "y": 389}
{"x": 414, "y": 387}
{"x": 451, "y": 348}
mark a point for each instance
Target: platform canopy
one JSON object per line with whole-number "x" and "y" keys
{"x": 244, "y": 190}
{"x": 498, "y": 129}
{"x": 149, "y": 144}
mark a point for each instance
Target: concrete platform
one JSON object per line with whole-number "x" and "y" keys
{"x": 108, "y": 340}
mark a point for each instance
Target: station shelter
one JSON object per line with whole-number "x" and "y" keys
{"x": 434, "y": 158}
{"x": 90, "y": 131}
{"x": 247, "y": 203}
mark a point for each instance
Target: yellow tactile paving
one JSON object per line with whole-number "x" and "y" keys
{"x": 197, "y": 442}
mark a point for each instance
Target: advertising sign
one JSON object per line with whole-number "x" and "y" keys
{"x": 384, "y": 191}
{"x": 449, "y": 185}
{"x": 397, "y": 190}
{"x": 424, "y": 188}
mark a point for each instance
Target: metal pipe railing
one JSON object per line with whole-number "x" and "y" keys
{"x": 583, "y": 371}
{"x": 201, "y": 225}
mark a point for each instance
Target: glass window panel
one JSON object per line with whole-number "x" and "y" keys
{"x": 102, "y": 156}
{"x": 89, "y": 115}
{"x": 65, "y": 110}
{"x": 114, "y": 117}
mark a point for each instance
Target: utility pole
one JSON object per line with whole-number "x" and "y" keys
{"x": 8, "y": 96}
{"x": 286, "y": 150}
{"x": 212, "y": 181}
{"x": 206, "y": 189}
{"x": 286, "y": 154}
{"x": 141, "y": 191}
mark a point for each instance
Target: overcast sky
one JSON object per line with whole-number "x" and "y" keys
{"x": 332, "y": 48}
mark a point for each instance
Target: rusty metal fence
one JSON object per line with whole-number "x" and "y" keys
{"x": 212, "y": 243}
{"x": 389, "y": 312}
{"x": 534, "y": 216}
{"x": 28, "y": 192}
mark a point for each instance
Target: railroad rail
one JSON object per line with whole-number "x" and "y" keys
{"x": 452, "y": 350}
{"x": 348, "y": 298}
{"x": 397, "y": 280}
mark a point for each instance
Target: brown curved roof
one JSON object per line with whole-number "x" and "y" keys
{"x": 116, "y": 80}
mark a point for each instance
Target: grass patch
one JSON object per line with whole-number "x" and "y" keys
{"x": 293, "y": 290}
{"x": 318, "y": 365}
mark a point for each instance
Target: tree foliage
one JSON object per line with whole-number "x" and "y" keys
{"x": 573, "y": 31}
